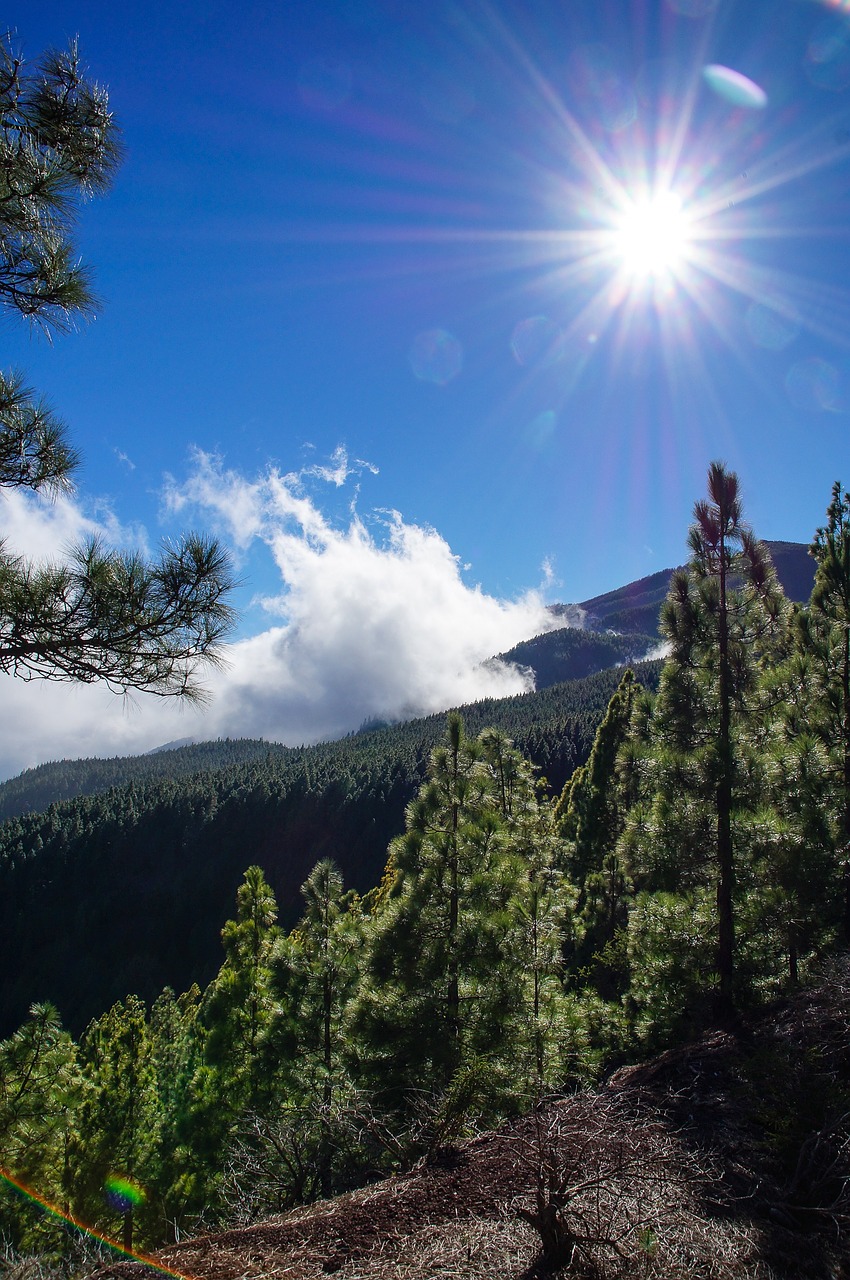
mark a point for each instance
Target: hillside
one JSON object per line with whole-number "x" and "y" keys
{"x": 132, "y": 885}
{"x": 35, "y": 789}
{"x": 134, "y": 873}
{"x": 570, "y": 654}
{"x": 729, "y": 1157}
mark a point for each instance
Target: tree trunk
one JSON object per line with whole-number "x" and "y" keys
{"x": 792, "y": 951}
{"x": 453, "y": 1010}
{"x": 845, "y": 681}
{"x": 725, "y": 864}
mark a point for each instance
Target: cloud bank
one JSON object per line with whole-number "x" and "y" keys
{"x": 372, "y": 617}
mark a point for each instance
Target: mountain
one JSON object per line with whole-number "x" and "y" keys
{"x": 36, "y": 789}
{"x": 570, "y": 654}
{"x": 636, "y": 607}
{"x": 622, "y": 626}
{"x": 131, "y": 865}
{"x": 609, "y": 630}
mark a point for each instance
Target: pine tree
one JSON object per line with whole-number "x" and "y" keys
{"x": 236, "y": 1006}
{"x": 118, "y": 1117}
{"x": 100, "y": 615}
{"x": 539, "y": 1032}
{"x": 310, "y": 1104}
{"x": 823, "y": 635}
{"x": 41, "y": 1091}
{"x": 233, "y": 1021}
{"x": 462, "y": 997}
{"x": 725, "y": 621}
{"x": 433, "y": 998}
{"x": 176, "y": 1180}
{"x": 313, "y": 976}
{"x": 591, "y": 815}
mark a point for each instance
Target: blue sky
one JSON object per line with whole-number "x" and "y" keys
{"x": 371, "y": 311}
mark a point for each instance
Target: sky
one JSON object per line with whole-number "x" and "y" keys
{"x": 435, "y": 315}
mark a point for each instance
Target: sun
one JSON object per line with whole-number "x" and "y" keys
{"x": 652, "y": 236}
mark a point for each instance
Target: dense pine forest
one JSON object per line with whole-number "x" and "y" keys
{"x": 495, "y": 906}
{"x": 133, "y": 883}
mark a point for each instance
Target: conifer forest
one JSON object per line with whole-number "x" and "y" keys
{"x": 495, "y": 906}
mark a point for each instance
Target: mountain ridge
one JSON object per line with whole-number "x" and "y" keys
{"x": 628, "y": 608}
{"x": 626, "y": 631}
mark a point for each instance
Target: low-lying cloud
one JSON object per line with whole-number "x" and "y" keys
{"x": 372, "y": 617}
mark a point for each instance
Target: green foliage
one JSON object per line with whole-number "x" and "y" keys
{"x": 590, "y": 814}
{"x": 34, "y": 453}
{"x": 513, "y": 946}
{"x": 670, "y": 935}
{"x": 423, "y": 1009}
{"x": 176, "y": 1190}
{"x": 823, "y": 640}
{"x": 40, "y": 1092}
{"x": 146, "y": 870}
{"x": 236, "y": 1008}
{"x": 464, "y": 950}
{"x": 110, "y": 617}
{"x": 59, "y": 146}
{"x": 725, "y": 620}
{"x": 35, "y": 790}
{"x": 117, "y": 1115}
{"x": 572, "y": 654}
{"x": 208, "y": 1053}
{"x": 313, "y": 975}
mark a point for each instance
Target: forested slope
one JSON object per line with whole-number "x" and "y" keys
{"x": 131, "y": 886}
{"x": 570, "y": 654}
{"x": 35, "y": 789}
{"x": 696, "y": 1142}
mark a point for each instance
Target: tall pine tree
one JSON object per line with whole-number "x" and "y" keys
{"x": 824, "y": 639}
{"x": 725, "y": 621}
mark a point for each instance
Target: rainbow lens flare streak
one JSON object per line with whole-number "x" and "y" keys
{"x": 125, "y": 1193}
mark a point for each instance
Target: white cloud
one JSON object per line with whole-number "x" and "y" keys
{"x": 124, "y": 459}
{"x": 661, "y": 650}
{"x": 373, "y": 618}
{"x": 43, "y": 529}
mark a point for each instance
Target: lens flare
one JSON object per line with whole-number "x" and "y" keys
{"x": 436, "y": 356}
{"x": 815, "y": 385}
{"x": 736, "y": 88}
{"x": 122, "y": 1194}
{"x": 126, "y": 1187}
{"x": 537, "y": 341}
